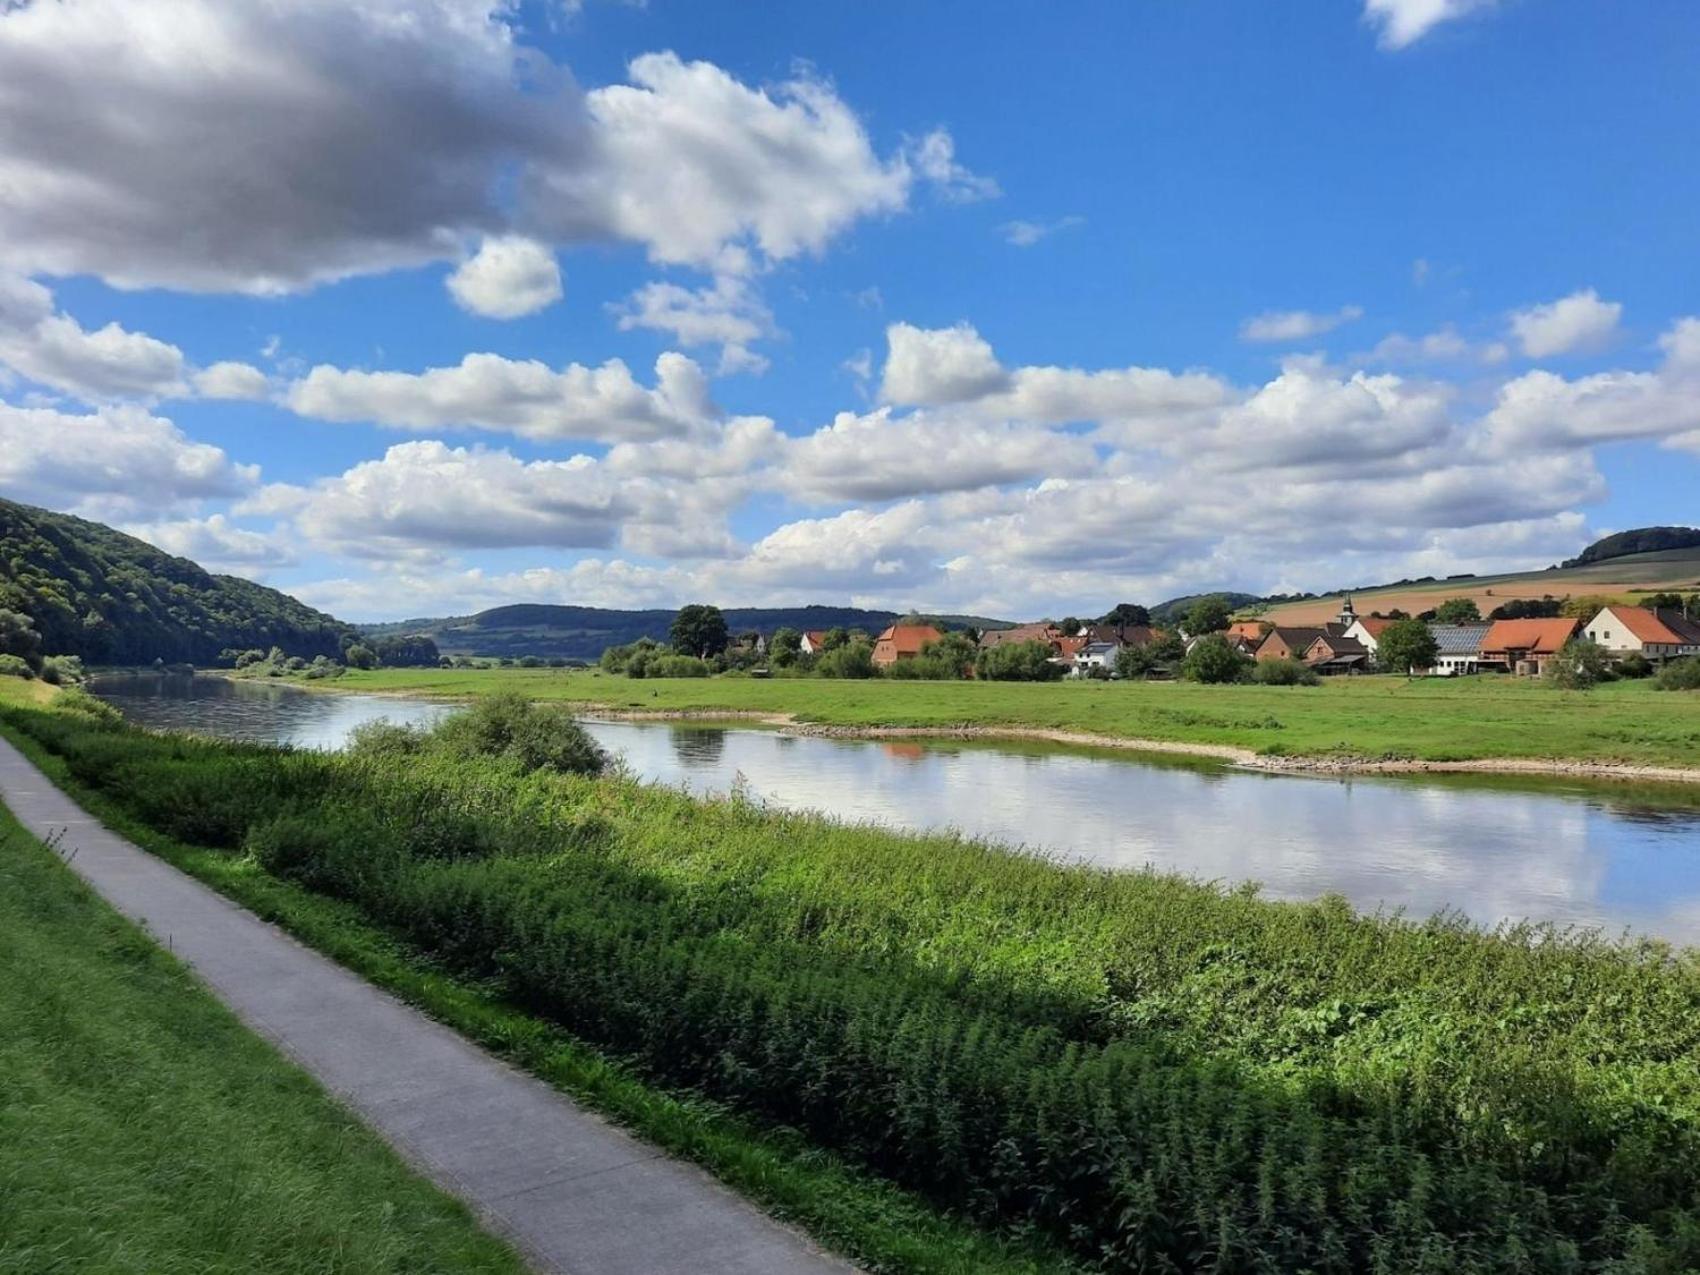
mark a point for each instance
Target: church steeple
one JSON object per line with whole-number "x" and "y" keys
{"x": 1348, "y": 615}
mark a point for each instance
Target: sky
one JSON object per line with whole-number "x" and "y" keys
{"x": 416, "y": 307}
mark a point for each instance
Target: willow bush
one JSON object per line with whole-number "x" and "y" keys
{"x": 1161, "y": 1075}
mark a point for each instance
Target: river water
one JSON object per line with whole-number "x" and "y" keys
{"x": 1613, "y": 856}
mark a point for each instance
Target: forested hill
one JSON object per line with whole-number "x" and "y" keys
{"x": 574, "y": 632}
{"x": 1640, "y": 540}
{"x": 113, "y": 599}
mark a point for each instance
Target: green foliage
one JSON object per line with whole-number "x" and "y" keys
{"x": 1640, "y": 540}
{"x": 1578, "y": 665}
{"x": 1124, "y": 614}
{"x": 1018, "y": 662}
{"x": 849, "y": 659}
{"x": 676, "y": 666}
{"x": 112, "y": 599}
{"x": 1135, "y": 662}
{"x": 699, "y": 630}
{"x": 785, "y": 649}
{"x": 1527, "y": 609}
{"x": 406, "y": 650}
{"x": 1208, "y": 615}
{"x": 358, "y": 655}
{"x": 1161, "y": 1075}
{"x": 1635, "y": 666}
{"x": 1680, "y": 675}
{"x": 15, "y": 666}
{"x": 1284, "y": 672}
{"x": 512, "y": 728}
{"x": 62, "y": 670}
{"x": 1458, "y": 611}
{"x": 1214, "y": 661}
{"x": 946, "y": 659}
{"x": 19, "y": 639}
{"x": 1406, "y": 645}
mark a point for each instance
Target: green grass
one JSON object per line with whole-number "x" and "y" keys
{"x": 1437, "y": 719}
{"x": 1156, "y": 1074}
{"x": 144, "y": 1129}
{"x": 883, "y": 1227}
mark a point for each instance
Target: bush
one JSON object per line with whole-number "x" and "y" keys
{"x": 1018, "y": 662}
{"x": 851, "y": 660}
{"x": 1635, "y": 665}
{"x": 1284, "y": 672}
{"x": 526, "y": 735}
{"x": 15, "y": 666}
{"x": 62, "y": 670}
{"x": 1578, "y": 665}
{"x": 1213, "y": 660}
{"x": 676, "y": 666}
{"x": 1680, "y": 675}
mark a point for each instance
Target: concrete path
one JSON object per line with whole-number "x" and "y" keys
{"x": 570, "y": 1191}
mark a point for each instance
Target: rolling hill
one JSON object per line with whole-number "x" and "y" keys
{"x": 110, "y": 598}
{"x": 574, "y": 632}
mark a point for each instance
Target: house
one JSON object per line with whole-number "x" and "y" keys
{"x": 1251, "y": 631}
{"x": 1096, "y": 659}
{"x": 1284, "y": 642}
{"x": 903, "y": 642}
{"x": 1525, "y": 646}
{"x": 1046, "y": 633}
{"x": 814, "y": 642}
{"x": 1458, "y": 649}
{"x": 1368, "y": 629}
{"x": 1120, "y": 634}
{"x": 1659, "y": 635}
{"x": 1336, "y": 653}
{"x": 1067, "y": 649}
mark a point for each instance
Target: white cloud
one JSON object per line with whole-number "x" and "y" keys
{"x": 1401, "y": 23}
{"x": 489, "y": 392}
{"x": 263, "y": 148}
{"x": 1288, "y": 326}
{"x": 54, "y": 350}
{"x": 217, "y": 544}
{"x": 1024, "y": 234}
{"x": 509, "y": 277}
{"x": 117, "y": 461}
{"x": 728, "y": 314}
{"x": 231, "y": 380}
{"x": 941, "y": 365}
{"x": 1574, "y": 324}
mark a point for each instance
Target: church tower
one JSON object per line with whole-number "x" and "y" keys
{"x": 1348, "y": 616}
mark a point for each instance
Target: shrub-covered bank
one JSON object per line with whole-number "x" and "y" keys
{"x": 1159, "y": 1075}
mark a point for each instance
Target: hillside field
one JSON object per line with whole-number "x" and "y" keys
{"x": 1623, "y": 579}
{"x": 1376, "y": 718}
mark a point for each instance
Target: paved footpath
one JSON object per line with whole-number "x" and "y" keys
{"x": 570, "y": 1191}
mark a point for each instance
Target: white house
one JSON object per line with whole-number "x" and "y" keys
{"x": 1458, "y": 649}
{"x": 813, "y": 643}
{"x": 1659, "y": 635}
{"x": 1367, "y": 630}
{"x": 1096, "y": 656}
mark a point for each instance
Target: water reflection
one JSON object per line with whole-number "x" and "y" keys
{"x": 1496, "y": 849}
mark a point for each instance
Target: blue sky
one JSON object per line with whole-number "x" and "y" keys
{"x": 419, "y": 306}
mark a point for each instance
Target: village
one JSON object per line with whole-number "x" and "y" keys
{"x": 1349, "y": 644}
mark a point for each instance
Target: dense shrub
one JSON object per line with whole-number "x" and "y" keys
{"x": 853, "y": 660}
{"x": 15, "y": 666}
{"x": 1160, "y": 1075}
{"x": 528, "y": 736}
{"x": 1634, "y": 665}
{"x": 677, "y": 666}
{"x": 1018, "y": 662}
{"x": 1577, "y": 666}
{"x": 1284, "y": 672}
{"x": 1213, "y": 660}
{"x": 62, "y": 670}
{"x": 1680, "y": 675}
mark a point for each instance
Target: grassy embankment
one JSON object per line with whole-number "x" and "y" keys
{"x": 145, "y": 1129}
{"x": 1152, "y": 1073}
{"x": 1370, "y": 718}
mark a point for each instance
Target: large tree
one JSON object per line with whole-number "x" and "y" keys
{"x": 699, "y": 630}
{"x": 1405, "y": 645}
{"x": 1207, "y": 615}
{"x": 1458, "y": 611}
{"x": 1124, "y": 614}
{"x": 1213, "y": 660}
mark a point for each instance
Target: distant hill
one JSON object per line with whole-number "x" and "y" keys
{"x": 574, "y": 632}
{"x": 113, "y": 599}
{"x": 1170, "y": 613}
{"x": 1641, "y": 540}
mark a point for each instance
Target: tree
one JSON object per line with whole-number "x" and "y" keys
{"x": 834, "y": 638}
{"x": 1526, "y": 609}
{"x": 1018, "y": 662}
{"x": 1579, "y": 665}
{"x": 359, "y": 655}
{"x": 1407, "y": 645}
{"x": 1666, "y": 601}
{"x": 699, "y": 630}
{"x": 848, "y": 660}
{"x": 950, "y": 657}
{"x": 786, "y": 646}
{"x": 1069, "y": 624}
{"x": 1207, "y": 615}
{"x": 18, "y": 637}
{"x": 1585, "y": 607}
{"x": 1134, "y": 662}
{"x": 1125, "y": 614}
{"x": 1213, "y": 661}
{"x": 1458, "y": 611}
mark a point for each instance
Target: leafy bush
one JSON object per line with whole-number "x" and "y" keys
{"x": 1284, "y": 672}
{"x": 1018, "y": 662}
{"x": 62, "y": 670}
{"x": 526, "y": 735}
{"x": 676, "y": 666}
{"x": 1680, "y": 675}
{"x": 1213, "y": 660}
{"x": 853, "y": 660}
{"x": 15, "y": 666}
{"x": 1578, "y": 665}
{"x": 1635, "y": 666}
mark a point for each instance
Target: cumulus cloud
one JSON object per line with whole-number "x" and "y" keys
{"x": 218, "y": 544}
{"x": 526, "y": 397}
{"x": 1288, "y": 326}
{"x": 727, "y": 313}
{"x": 118, "y": 461}
{"x": 1400, "y": 23}
{"x": 509, "y": 277}
{"x": 940, "y": 365}
{"x": 264, "y": 148}
{"x": 232, "y": 380}
{"x": 1578, "y": 323}
{"x": 54, "y": 350}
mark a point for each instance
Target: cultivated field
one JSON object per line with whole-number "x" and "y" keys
{"x": 1373, "y": 718}
{"x": 1622, "y": 579}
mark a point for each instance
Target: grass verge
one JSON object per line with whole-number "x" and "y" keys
{"x": 145, "y": 1129}
{"x": 881, "y": 1226}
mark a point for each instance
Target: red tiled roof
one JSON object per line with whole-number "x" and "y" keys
{"x": 1020, "y": 633}
{"x": 815, "y": 636}
{"x": 1068, "y": 647}
{"x": 1375, "y": 625}
{"x": 908, "y": 639}
{"x": 1653, "y": 626}
{"x": 1251, "y": 630}
{"x": 1538, "y": 637}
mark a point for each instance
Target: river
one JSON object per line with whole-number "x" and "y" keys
{"x": 1614, "y": 856}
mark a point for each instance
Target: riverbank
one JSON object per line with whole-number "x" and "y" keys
{"x": 1265, "y": 1085}
{"x": 1371, "y": 725}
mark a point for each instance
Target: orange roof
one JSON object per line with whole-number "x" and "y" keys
{"x": 1375, "y": 625}
{"x": 815, "y": 636}
{"x": 1252, "y": 630}
{"x": 1538, "y": 637}
{"x": 908, "y": 639}
{"x": 1070, "y": 646}
{"x": 1645, "y": 624}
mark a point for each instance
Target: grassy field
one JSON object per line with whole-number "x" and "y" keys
{"x": 1156, "y": 1074}
{"x": 144, "y": 1129}
{"x": 1435, "y": 719}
